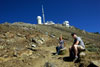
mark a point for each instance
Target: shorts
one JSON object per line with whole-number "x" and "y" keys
{"x": 80, "y": 47}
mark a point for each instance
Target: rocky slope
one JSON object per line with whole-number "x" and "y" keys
{"x": 30, "y": 45}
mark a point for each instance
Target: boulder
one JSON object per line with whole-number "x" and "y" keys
{"x": 34, "y": 40}
{"x": 42, "y": 39}
{"x": 82, "y": 54}
{"x": 23, "y": 53}
{"x": 20, "y": 35}
{"x": 8, "y": 35}
{"x": 53, "y": 36}
{"x": 63, "y": 51}
{"x": 38, "y": 41}
{"x": 95, "y": 63}
{"x": 48, "y": 64}
{"x": 33, "y": 45}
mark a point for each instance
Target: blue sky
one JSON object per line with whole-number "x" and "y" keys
{"x": 83, "y": 14}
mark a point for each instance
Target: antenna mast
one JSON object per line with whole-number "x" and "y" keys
{"x": 43, "y": 15}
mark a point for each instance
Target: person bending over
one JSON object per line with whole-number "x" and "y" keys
{"x": 77, "y": 44}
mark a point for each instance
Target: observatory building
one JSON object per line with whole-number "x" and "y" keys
{"x": 66, "y": 23}
{"x": 39, "y": 21}
{"x": 49, "y": 23}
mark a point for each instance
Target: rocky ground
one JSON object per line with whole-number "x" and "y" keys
{"x": 27, "y": 45}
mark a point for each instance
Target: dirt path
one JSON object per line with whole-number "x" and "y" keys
{"x": 56, "y": 60}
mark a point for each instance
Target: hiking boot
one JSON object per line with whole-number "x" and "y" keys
{"x": 76, "y": 57}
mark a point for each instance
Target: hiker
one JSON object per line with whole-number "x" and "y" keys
{"x": 78, "y": 44}
{"x": 60, "y": 45}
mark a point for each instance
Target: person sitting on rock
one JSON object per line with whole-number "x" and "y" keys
{"x": 60, "y": 45}
{"x": 78, "y": 44}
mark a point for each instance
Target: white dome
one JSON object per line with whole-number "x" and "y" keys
{"x": 38, "y": 17}
{"x": 66, "y": 22}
